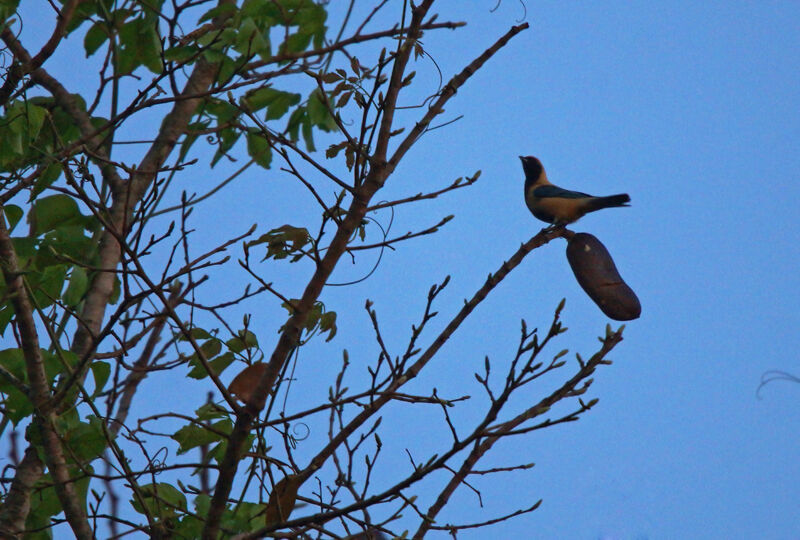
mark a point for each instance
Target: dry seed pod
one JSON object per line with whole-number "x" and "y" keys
{"x": 596, "y": 273}
{"x": 244, "y": 384}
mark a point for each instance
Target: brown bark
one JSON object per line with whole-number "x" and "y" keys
{"x": 39, "y": 394}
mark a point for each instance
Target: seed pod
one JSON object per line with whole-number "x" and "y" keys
{"x": 244, "y": 384}
{"x": 596, "y": 273}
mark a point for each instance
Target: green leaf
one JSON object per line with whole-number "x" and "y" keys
{"x": 222, "y": 110}
{"x": 202, "y": 504}
{"x": 227, "y": 138}
{"x": 95, "y": 36}
{"x": 217, "y": 453}
{"x": 213, "y": 56}
{"x": 327, "y": 323}
{"x": 250, "y": 40}
{"x": 25, "y": 118}
{"x": 67, "y": 420}
{"x": 258, "y": 148}
{"x": 8, "y": 8}
{"x": 86, "y": 441}
{"x": 44, "y": 503}
{"x": 46, "y": 179}
{"x": 53, "y": 211}
{"x": 308, "y": 137}
{"x": 221, "y": 10}
{"x": 210, "y": 411}
{"x": 19, "y": 128}
{"x": 283, "y": 241}
{"x": 189, "y": 526}
{"x": 116, "y": 290}
{"x": 257, "y": 99}
{"x": 150, "y": 48}
{"x": 34, "y": 119}
{"x": 317, "y": 318}
{"x": 297, "y": 117}
{"x": 78, "y": 285}
{"x": 210, "y": 349}
{"x": 318, "y": 113}
{"x": 12, "y": 144}
{"x": 277, "y": 102}
{"x": 296, "y": 42}
{"x": 58, "y": 362}
{"x": 244, "y": 516}
{"x": 245, "y": 340}
{"x": 39, "y": 523}
{"x": 180, "y": 53}
{"x": 227, "y": 70}
{"x": 8, "y": 158}
{"x": 194, "y": 435}
{"x": 139, "y": 46}
{"x": 13, "y": 215}
{"x": 197, "y": 333}
{"x": 16, "y": 405}
{"x": 6, "y": 314}
{"x": 162, "y": 500}
{"x": 313, "y": 316}
{"x": 100, "y": 371}
{"x": 280, "y": 104}
{"x": 67, "y": 241}
{"x": 218, "y": 364}
{"x": 26, "y": 249}
{"x": 47, "y": 285}
{"x": 191, "y": 136}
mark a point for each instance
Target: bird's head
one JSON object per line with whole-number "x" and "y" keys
{"x": 533, "y": 168}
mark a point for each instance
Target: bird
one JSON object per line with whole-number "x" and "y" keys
{"x": 556, "y": 205}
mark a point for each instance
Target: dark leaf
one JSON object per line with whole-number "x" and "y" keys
{"x": 331, "y": 77}
{"x": 95, "y": 37}
{"x": 245, "y": 340}
{"x": 180, "y": 53}
{"x": 162, "y": 500}
{"x": 194, "y": 435}
{"x": 13, "y": 215}
{"x": 78, "y": 284}
{"x": 86, "y": 441}
{"x": 54, "y": 211}
{"x": 218, "y": 365}
{"x": 100, "y": 371}
{"x": 258, "y": 148}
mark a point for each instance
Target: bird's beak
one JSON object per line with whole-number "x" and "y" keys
{"x": 522, "y": 158}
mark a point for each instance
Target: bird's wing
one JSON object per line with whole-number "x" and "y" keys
{"x": 548, "y": 191}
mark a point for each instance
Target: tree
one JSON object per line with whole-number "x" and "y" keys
{"x": 107, "y": 287}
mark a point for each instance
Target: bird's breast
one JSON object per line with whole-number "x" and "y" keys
{"x": 556, "y": 209}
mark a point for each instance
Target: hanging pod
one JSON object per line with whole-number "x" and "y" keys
{"x": 597, "y": 274}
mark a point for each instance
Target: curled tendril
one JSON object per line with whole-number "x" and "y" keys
{"x": 155, "y": 463}
{"x": 524, "y": 10}
{"x": 296, "y": 430}
{"x": 385, "y": 233}
{"x": 293, "y": 438}
{"x": 775, "y": 375}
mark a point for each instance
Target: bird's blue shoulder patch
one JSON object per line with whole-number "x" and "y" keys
{"x": 544, "y": 192}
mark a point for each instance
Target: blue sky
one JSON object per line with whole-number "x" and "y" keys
{"x": 692, "y": 109}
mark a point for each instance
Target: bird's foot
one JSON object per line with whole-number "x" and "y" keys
{"x": 555, "y": 226}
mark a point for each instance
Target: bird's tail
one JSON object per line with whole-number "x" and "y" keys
{"x": 598, "y": 203}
